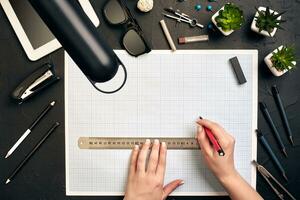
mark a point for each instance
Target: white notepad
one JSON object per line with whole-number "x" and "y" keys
{"x": 164, "y": 95}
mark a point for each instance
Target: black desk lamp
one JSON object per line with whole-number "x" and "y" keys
{"x": 79, "y": 37}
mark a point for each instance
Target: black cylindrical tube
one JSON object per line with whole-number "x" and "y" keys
{"x": 77, "y": 34}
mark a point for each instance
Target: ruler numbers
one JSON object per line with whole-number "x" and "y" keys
{"x": 130, "y": 142}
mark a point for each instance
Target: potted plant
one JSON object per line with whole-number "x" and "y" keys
{"x": 266, "y": 21}
{"x": 228, "y": 19}
{"x": 281, "y": 60}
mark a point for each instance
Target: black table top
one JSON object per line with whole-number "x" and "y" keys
{"x": 43, "y": 177}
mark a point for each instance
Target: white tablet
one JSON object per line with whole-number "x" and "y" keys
{"x": 35, "y": 37}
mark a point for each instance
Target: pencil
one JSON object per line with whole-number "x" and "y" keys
{"x": 265, "y": 111}
{"x": 271, "y": 153}
{"x": 213, "y": 141}
{"x": 28, "y": 131}
{"x": 28, "y": 156}
{"x": 277, "y": 97}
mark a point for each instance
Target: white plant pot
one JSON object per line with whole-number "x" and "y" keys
{"x": 270, "y": 64}
{"x": 213, "y": 19}
{"x": 263, "y": 32}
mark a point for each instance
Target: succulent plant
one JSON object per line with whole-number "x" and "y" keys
{"x": 231, "y": 18}
{"x": 267, "y": 20}
{"x": 284, "y": 58}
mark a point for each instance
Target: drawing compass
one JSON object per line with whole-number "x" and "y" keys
{"x": 269, "y": 179}
{"x": 182, "y": 17}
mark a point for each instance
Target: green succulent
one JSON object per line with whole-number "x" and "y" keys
{"x": 231, "y": 18}
{"x": 284, "y": 58}
{"x": 267, "y": 20}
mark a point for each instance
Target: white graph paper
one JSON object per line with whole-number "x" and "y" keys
{"x": 164, "y": 95}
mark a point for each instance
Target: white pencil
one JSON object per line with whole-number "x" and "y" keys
{"x": 28, "y": 131}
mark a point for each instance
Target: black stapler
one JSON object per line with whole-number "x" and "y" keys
{"x": 37, "y": 81}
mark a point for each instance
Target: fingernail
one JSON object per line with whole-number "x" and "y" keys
{"x": 200, "y": 128}
{"x": 163, "y": 144}
{"x": 199, "y": 131}
{"x": 181, "y": 183}
{"x": 136, "y": 147}
{"x": 199, "y": 120}
{"x": 156, "y": 141}
{"x": 147, "y": 141}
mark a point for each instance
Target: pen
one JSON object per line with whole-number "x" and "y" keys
{"x": 271, "y": 153}
{"x": 51, "y": 130}
{"x": 28, "y": 131}
{"x": 214, "y": 141}
{"x": 267, "y": 115}
{"x": 282, "y": 112}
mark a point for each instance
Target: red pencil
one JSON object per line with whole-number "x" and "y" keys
{"x": 214, "y": 141}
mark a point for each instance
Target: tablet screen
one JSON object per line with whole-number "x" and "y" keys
{"x": 34, "y": 27}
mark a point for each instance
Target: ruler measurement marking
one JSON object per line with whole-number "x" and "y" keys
{"x": 129, "y": 142}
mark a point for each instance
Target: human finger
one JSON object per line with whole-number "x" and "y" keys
{"x": 153, "y": 159}
{"x": 160, "y": 171}
{"x": 170, "y": 187}
{"x": 218, "y": 131}
{"x": 133, "y": 160}
{"x": 141, "y": 162}
{"x": 203, "y": 141}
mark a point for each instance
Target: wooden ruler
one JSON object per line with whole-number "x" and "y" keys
{"x": 129, "y": 142}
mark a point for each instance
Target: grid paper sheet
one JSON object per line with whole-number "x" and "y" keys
{"x": 164, "y": 95}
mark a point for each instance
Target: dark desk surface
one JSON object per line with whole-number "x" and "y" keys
{"x": 44, "y": 176}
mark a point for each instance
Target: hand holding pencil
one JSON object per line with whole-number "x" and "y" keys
{"x": 212, "y": 138}
{"x": 221, "y": 166}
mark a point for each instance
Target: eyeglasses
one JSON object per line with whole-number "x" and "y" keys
{"x": 117, "y": 13}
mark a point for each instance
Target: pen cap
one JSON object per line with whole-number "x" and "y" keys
{"x": 275, "y": 90}
{"x": 262, "y": 105}
{"x": 181, "y": 40}
{"x": 79, "y": 37}
{"x": 259, "y": 133}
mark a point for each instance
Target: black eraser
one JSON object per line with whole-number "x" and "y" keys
{"x": 238, "y": 70}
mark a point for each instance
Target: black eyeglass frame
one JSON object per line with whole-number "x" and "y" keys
{"x": 131, "y": 24}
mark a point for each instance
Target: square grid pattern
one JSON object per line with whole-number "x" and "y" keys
{"x": 164, "y": 95}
